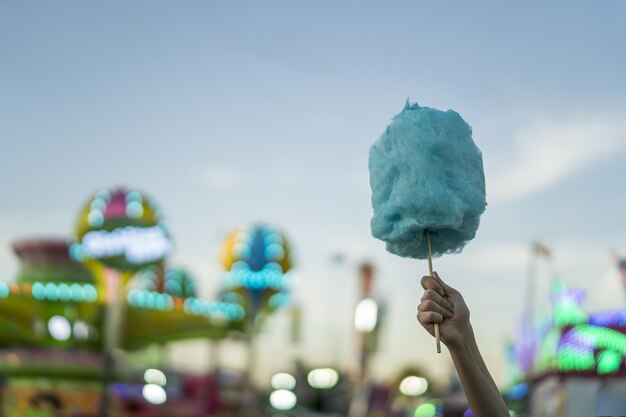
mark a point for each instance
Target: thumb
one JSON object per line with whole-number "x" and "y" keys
{"x": 448, "y": 289}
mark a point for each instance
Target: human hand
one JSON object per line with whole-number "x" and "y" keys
{"x": 444, "y": 305}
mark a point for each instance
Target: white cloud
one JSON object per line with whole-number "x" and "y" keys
{"x": 547, "y": 152}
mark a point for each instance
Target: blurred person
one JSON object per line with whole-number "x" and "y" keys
{"x": 444, "y": 305}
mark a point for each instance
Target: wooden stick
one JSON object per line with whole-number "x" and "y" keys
{"x": 430, "y": 272}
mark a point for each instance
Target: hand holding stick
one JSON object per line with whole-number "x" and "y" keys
{"x": 430, "y": 273}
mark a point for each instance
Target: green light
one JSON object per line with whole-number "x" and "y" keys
{"x": 569, "y": 314}
{"x": 608, "y": 362}
{"x": 426, "y": 410}
{"x": 573, "y": 359}
{"x": 558, "y": 285}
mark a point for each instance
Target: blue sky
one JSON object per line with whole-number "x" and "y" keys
{"x": 230, "y": 112}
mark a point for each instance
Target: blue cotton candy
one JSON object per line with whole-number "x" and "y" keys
{"x": 426, "y": 173}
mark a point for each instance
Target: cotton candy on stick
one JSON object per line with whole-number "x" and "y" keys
{"x": 428, "y": 185}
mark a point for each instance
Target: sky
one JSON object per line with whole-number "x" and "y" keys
{"x": 236, "y": 112}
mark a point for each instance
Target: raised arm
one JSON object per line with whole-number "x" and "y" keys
{"x": 444, "y": 305}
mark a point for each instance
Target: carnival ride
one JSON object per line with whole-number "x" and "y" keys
{"x": 76, "y": 302}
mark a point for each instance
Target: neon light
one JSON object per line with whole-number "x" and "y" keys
{"x": 153, "y": 300}
{"x": 270, "y": 276}
{"x": 426, "y": 410}
{"x": 609, "y": 362}
{"x": 138, "y": 245}
{"x": 609, "y": 318}
{"x": 4, "y": 290}
{"x": 578, "y": 344}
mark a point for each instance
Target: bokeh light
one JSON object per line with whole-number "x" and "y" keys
{"x": 323, "y": 378}
{"x": 59, "y": 328}
{"x": 283, "y": 399}
{"x": 155, "y": 376}
{"x": 154, "y": 394}
{"x": 413, "y": 386}
{"x": 122, "y": 229}
{"x": 426, "y": 410}
{"x": 283, "y": 380}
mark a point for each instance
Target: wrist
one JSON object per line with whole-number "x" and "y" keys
{"x": 464, "y": 341}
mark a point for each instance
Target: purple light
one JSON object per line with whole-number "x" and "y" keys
{"x": 609, "y": 318}
{"x": 468, "y": 413}
{"x": 568, "y": 296}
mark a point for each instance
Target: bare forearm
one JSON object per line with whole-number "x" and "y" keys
{"x": 481, "y": 391}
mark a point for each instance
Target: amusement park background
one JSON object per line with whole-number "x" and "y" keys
{"x": 184, "y": 207}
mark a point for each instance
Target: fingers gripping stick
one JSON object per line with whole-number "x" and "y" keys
{"x": 430, "y": 272}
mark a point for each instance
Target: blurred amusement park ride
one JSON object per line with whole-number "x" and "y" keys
{"x": 78, "y": 309}
{"x": 568, "y": 362}
{"x": 83, "y": 325}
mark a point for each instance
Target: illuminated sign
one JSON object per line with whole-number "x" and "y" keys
{"x": 123, "y": 229}
{"x": 137, "y": 245}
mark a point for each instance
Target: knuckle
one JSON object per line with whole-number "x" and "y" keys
{"x": 430, "y": 316}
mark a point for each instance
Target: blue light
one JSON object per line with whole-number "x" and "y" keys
{"x": 64, "y": 292}
{"x": 240, "y": 265}
{"x": 150, "y": 300}
{"x": 104, "y": 194}
{"x": 278, "y": 300}
{"x": 256, "y": 281}
{"x": 173, "y": 287}
{"x": 161, "y": 302}
{"x": 51, "y": 292}
{"x": 274, "y": 267}
{"x": 274, "y": 252}
{"x": 231, "y": 311}
{"x": 273, "y": 238}
{"x": 77, "y": 252}
{"x": 77, "y": 292}
{"x": 98, "y": 204}
{"x": 173, "y": 275}
{"x": 95, "y": 218}
{"x": 39, "y": 291}
{"x": 132, "y": 297}
{"x": 133, "y": 196}
{"x": 140, "y": 298}
{"x": 196, "y": 306}
{"x": 518, "y": 391}
{"x": 134, "y": 210}
{"x": 4, "y": 290}
{"x": 90, "y": 293}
